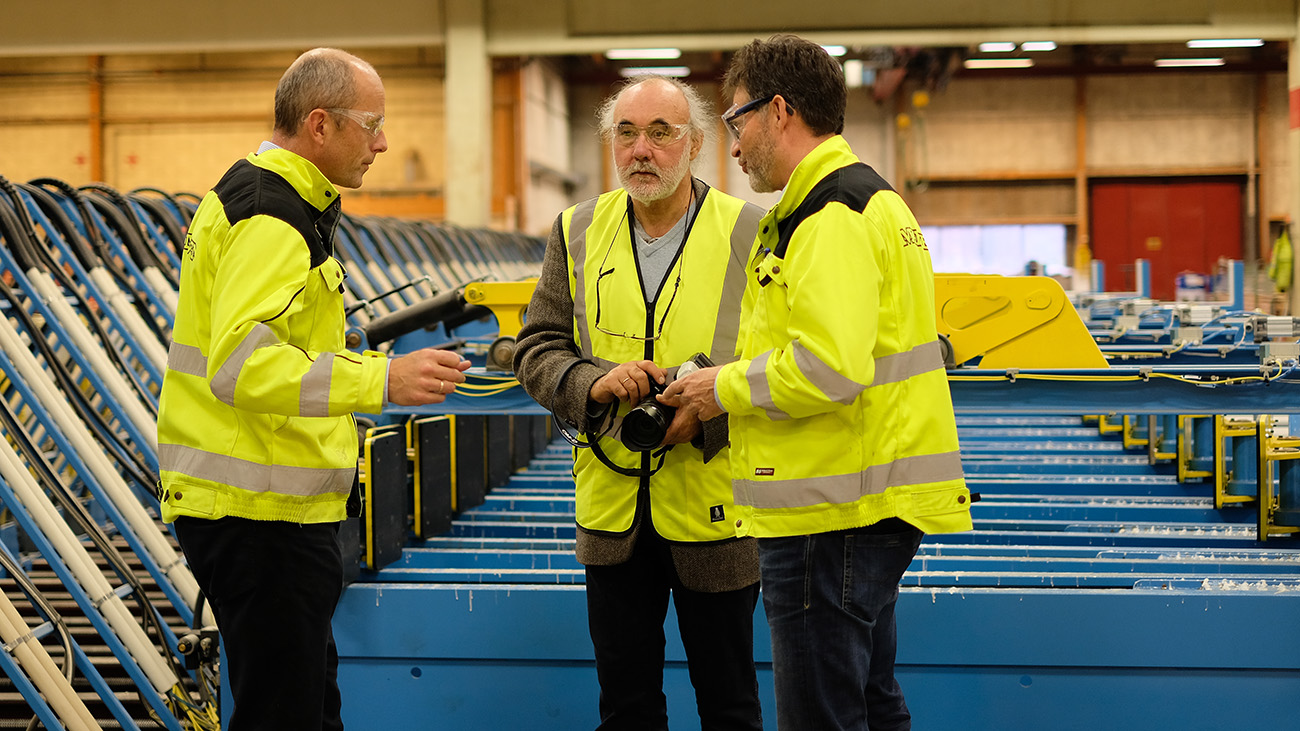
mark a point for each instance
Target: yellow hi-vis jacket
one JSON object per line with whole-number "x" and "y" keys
{"x": 839, "y": 404}
{"x": 255, "y": 413}
{"x": 696, "y": 310}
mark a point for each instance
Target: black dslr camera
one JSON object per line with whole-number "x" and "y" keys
{"x": 646, "y": 424}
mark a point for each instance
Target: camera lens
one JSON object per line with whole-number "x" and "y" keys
{"x": 645, "y": 426}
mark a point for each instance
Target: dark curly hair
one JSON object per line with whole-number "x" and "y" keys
{"x": 800, "y": 71}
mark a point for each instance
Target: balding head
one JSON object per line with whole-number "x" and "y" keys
{"x": 321, "y": 78}
{"x": 698, "y": 111}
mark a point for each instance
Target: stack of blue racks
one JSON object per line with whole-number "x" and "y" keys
{"x": 1096, "y": 591}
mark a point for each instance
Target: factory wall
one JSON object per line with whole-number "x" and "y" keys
{"x": 984, "y": 150}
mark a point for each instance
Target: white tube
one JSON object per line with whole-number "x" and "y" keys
{"x": 130, "y": 317}
{"x": 44, "y": 674}
{"x": 84, "y": 570}
{"x": 163, "y": 288}
{"x": 113, "y": 380}
{"x": 102, "y": 470}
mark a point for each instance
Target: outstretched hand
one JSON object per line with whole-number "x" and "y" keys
{"x": 426, "y": 376}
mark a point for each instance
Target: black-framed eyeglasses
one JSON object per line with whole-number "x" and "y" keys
{"x": 731, "y": 115}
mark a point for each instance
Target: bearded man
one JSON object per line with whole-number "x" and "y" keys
{"x": 635, "y": 282}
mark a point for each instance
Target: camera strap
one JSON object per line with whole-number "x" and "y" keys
{"x": 662, "y": 454}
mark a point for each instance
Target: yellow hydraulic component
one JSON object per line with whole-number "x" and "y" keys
{"x": 1185, "y": 472}
{"x": 1225, "y": 427}
{"x": 1272, "y": 449}
{"x": 508, "y": 301}
{"x": 1106, "y": 426}
{"x": 1012, "y": 322}
{"x": 1128, "y": 434}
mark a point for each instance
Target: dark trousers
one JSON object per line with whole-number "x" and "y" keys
{"x": 830, "y": 601}
{"x": 273, "y": 587}
{"x": 626, "y": 608}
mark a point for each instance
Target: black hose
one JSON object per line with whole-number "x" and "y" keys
{"x": 23, "y": 237}
{"x": 121, "y": 216}
{"x": 74, "y": 511}
{"x": 76, "y": 397}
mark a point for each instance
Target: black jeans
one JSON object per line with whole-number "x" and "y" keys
{"x": 273, "y": 587}
{"x": 626, "y": 608}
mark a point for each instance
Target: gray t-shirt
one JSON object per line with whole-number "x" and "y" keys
{"x": 655, "y": 256}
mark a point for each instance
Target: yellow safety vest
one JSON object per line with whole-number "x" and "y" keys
{"x": 839, "y": 405}
{"x": 255, "y": 417}
{"x": 696, "y": 310}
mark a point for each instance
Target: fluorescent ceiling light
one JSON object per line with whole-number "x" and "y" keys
{"x": 835, "y": 50}
{"x": 1030, "y": 46}
{"x": 999, "y": 63}
{"x": 631, "y": 71}
{"x": 1226, "y": 43}
{"x": 998, "y": 47}
{"x": 1186, "y": 62}
{"x": 623, "y": 54}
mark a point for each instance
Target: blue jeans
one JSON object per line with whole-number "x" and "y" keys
{"x": 830, "y": 607}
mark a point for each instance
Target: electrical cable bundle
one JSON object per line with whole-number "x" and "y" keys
{"x": 140, "y": 405}
{"x": 31, "y": 251}
{"x": 98, "y": 256}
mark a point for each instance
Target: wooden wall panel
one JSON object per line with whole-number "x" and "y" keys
{"x": 978, "y": 125}
{"x": 1170, "y": 120}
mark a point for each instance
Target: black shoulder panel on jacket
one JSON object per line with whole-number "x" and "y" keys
{"x": 247, "y": 190}
{"x": 852, "y": 185}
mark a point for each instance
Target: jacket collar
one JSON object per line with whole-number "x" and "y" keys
{"x": 304, "y": 176}
{"x": 831, "y": 155}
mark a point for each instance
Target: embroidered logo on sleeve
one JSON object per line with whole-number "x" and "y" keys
{"x": 764, "y": 471}
{"x": 716, "y": 515}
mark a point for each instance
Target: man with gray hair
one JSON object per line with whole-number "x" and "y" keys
{"x": 635, "y": 283}
{"x": 257, "y": 447}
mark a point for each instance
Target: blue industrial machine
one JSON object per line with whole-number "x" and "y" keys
{"x": 1134, "y": 561}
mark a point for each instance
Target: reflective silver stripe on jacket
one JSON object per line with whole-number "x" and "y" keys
{"x": 727, "y": 329}
{"x": 923, "y": 358}
{"x": 227, "y": 378}
{"x": 241, "y": 473}
{"x": 836, "y": 387}
{"x": 578, "y": 225}
{"x": 759, "y": 392}
{"x": 844, "y": 489}
{"x": 187, "y": 359}
{"x": 314, "y": 399}
{"x": 889, "y": 369}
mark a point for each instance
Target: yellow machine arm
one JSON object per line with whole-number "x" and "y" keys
{"x": 1012, "y": 322}
{"x": 507, "y": 301}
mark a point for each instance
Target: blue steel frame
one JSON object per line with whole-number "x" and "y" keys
{"x": 88, "y": 671}
{"x": 106, "y": 633}
{"x": 87, "y": 370}
{"x": 976, "y": 391}
{"x": 110, "y": 509}
{"x": 82, "y": 277}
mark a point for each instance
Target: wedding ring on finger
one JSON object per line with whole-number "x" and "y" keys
{"x": 441, "y": 383}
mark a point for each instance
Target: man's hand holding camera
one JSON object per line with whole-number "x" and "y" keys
{"x": 693, "y": 393}
{"x": 627, "y": 382}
